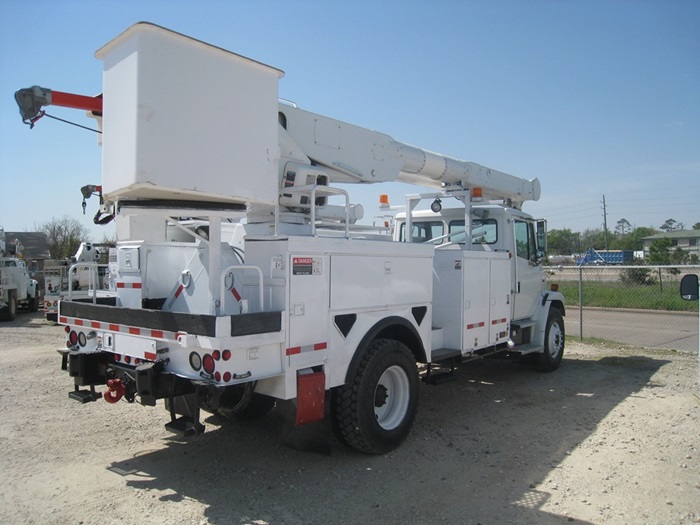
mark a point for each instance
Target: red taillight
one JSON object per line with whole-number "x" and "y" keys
{"x": 227, "y": 377}
{"x": 73, "y": 338}
{"x": 208, "y": 364}
{"x": 226, "y": 355}
{"x": 216, "y": 355}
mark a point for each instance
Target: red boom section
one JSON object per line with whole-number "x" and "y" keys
{"x": 32, "y": 100}
{"x": 70, "y": 100}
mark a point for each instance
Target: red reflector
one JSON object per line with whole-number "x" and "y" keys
{"x": 227, "y": 377}
{"x": 67, "y": 329}
{"x": 226, "y": 355}
{"x": 293, "y": 351}
{"x": 320, "y": 346}
{"x": 127, "y": 359}
{"x": 216, "y": 355}
{"x": 217, "y": 376}
{"x": 150, "y": 356}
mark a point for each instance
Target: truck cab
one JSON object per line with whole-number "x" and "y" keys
{"x": 494, "y": 228}
{"x": 17, "y": 288}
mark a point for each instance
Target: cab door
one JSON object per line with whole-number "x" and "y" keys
{"x": 527, "y": 274}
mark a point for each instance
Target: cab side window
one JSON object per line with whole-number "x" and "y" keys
{"x": 525, "y": 244}
{"x": 423, "y": 231}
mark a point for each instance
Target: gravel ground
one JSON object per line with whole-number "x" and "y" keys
{"x": 613, "y": 436}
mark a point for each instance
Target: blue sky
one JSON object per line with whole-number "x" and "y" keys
{"x": 592, "y": 97}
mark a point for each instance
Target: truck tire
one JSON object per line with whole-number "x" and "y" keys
{"x": 9, "y": 312}
{"x": 375, "y": 411}
{"x": 33, "y": 302}
{"x": 554, "y": 338}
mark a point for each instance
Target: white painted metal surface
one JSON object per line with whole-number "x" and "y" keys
{"x": 187, "y": 120}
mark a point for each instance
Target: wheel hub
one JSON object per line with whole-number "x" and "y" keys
{"x": 381, "y": 394}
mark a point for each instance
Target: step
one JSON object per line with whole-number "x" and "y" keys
{"x": 441, "y": 354}
{"x": 528, "y": 348}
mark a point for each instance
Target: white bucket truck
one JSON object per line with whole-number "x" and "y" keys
{"x": 309, "y": 310}
{"x": 17, "y": 288}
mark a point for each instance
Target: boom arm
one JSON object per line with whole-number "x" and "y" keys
{"x": 348, "y": 153}
{"x": 31, "y": 100}
{"x": 353, "y": 154}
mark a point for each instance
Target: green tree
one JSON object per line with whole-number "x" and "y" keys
{"x": 64, "y": 236}
{"x": 562, "y": 242}
{"x": 623, "y": 227}
{"x": 671, "y": 225}
{"x": 593, "y": 238}
{"x": 659, "y": 251}
{"x": 696, "y": 226}
{"x": 633, "y": 240}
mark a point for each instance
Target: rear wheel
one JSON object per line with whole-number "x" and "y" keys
{"x": 554, "y": 338}
{"x": 374, "y": 413}
{"x": 9, "y": 311}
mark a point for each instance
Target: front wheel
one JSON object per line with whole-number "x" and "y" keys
{"x": 375, "y": 411}
{"x": 554, "y": 338}
{"x": 34, "y": 303}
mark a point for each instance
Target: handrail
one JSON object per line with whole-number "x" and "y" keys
{"x": 321, "y": 190}
{"x": 93, "y": 280}
{"x": 229, "y": 271}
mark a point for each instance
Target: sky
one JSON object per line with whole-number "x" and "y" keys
{"x": 595, "y": 98}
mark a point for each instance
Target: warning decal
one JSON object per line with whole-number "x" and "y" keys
{"x": 306, "y": 266}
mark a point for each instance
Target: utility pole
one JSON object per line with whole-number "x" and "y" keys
{"x": 605, "y": 223}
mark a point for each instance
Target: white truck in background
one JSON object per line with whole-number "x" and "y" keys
{"x": 312, "y": 308}
{"x": 17, "y": 288}
{"x": 84, "y": 276}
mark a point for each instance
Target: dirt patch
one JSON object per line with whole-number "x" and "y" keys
{"x": 611, "y": 437}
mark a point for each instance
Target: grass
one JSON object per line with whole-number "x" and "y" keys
{"x": 620, "y": 295}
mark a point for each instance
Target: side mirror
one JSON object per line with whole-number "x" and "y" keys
{"x": 689, "y": 287}
{"x": 541, "y": 254}
{"x": 542, "y": 238}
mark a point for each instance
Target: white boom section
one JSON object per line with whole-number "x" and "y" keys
{"x": 353, "y": 154}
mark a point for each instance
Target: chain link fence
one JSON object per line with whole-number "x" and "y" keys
{"x": 632, "y": 305}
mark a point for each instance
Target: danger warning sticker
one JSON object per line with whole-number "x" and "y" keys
{"x": 306, "y": 266}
